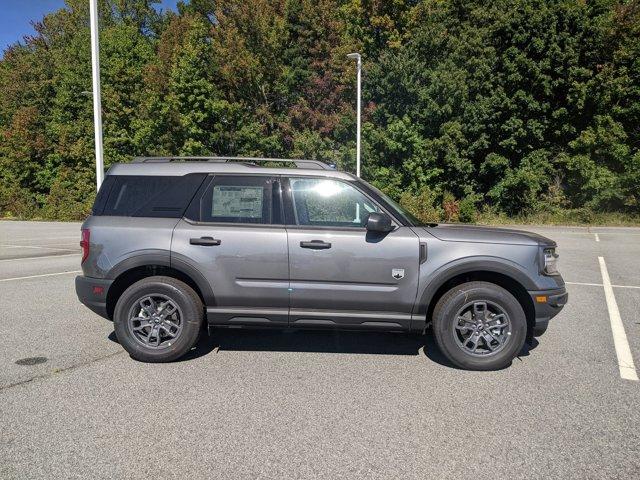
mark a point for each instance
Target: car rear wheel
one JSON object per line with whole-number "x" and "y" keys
{"x": 158, "y": 319}
{"x": 479, "y": 326}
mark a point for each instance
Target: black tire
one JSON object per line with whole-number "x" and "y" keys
{"x": 445, "y": 319}
{"x": 190, "y": 313}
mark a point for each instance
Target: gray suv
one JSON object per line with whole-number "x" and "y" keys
{"x": 245, "y": 242}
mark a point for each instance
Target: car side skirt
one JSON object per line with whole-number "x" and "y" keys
{"x": 314, "y": 319}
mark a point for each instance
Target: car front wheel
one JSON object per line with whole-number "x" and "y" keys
{"x": 479, "y": 326}
{"x": 158, "y": 319}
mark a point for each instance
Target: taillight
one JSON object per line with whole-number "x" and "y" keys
{"x": 84, "y": 243}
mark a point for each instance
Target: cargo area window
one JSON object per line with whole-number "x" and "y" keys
{"x": 146, "y": 196}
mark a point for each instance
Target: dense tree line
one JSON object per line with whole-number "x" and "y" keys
{"x": 514, "y": 106}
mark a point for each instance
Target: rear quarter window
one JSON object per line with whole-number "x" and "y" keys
{"x": 146, "y": 196}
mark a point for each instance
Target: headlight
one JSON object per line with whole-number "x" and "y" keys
{"x": 550, "y": 261}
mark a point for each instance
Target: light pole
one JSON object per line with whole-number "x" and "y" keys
{"x": 97, "y": 108}
{"x": 358, "y": 58}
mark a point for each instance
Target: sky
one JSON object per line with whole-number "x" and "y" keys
{"x": 16, "y": 17}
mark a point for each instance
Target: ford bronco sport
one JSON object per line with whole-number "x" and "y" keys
{"x": 172, "y": 242}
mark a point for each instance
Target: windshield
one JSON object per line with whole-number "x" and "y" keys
{"x": 399, "y": 209}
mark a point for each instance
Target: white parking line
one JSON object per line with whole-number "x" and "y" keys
{"x": 38, "y": 276}
{"x": 4, "y": 245}
{"x": 48, "y": 238}
{"x": 601, "y": 285}
{"x": 43, "y": 256}
{"x": 625, "y": 360}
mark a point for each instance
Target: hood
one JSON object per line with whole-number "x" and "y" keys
{"x": 481, "y": 234}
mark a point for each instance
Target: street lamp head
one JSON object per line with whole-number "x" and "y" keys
{"x": 354, "y": 56}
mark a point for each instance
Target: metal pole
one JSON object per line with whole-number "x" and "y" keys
{"x": 358, "y": 121}
{"x": 358, "y": 58}
{"x": 97, "y": 107}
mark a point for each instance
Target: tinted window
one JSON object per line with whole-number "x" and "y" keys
{"x": 326, "y": 202}
{"x": 103, "y": 195}
{"x": 231, "y": 199}
{"x": 150, "y": 196}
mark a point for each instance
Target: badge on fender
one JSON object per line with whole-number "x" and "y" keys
{"x": 397, "y": 273}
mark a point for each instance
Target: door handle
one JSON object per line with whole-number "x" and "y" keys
{"x": 316, "y": 245}
{"x": 423, "y": 252}
{"x": 205, "y": 241}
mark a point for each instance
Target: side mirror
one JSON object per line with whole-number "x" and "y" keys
{"x": 379, "y": 222}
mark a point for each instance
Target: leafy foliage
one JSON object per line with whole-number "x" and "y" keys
{"x": 515, "y": 107}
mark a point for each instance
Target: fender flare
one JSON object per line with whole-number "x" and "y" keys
{"x": 178, "y": 262}
{"x": 470, "y": 265}
{"x": 140, "y": 259}
{"x": 164, "y": 258}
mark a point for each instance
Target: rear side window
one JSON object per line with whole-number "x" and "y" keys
{"x": 147, "y": 196}
{"x": 233, "y": 199}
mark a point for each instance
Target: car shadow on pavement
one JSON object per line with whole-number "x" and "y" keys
{"x": 307, "y": 341}
{"x": 321, "y": 341}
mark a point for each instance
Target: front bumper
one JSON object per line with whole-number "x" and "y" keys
{"x": 548, "y": 303}
{"x": 92, "y": 292}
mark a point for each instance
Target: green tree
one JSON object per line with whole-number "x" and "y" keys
{"x": 521, "y": 106}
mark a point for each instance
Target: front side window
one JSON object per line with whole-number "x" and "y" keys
{"x": 329, "y": 203}
{"x": 230, "y": 199}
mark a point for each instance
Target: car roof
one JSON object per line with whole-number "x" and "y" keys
{"x": 176, "y": 166}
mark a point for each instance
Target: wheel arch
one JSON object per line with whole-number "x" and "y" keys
{"x": 506, "y": 275}
{"x": 133, "y": 269}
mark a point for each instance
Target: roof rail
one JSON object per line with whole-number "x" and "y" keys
{"x": 250, "y": 161}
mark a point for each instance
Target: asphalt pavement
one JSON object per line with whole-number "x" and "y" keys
{"x": 272, "y": 404}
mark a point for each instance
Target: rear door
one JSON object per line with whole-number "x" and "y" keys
{"x": 234, "y": 235}
{"x": 340, "y": 274}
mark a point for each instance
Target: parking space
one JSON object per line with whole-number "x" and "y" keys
{"x": 50, "y": 265}
{"x": 624, "y": 269}
{"x": 47, "y": 240}
{"x": 274, "y": 404}
{"x": 629, "y": 305}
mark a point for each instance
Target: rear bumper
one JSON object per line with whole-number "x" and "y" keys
{"x": 92, "y": 292}
{"x": 548, "y": 303}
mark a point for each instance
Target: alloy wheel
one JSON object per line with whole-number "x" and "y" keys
{"x": 482, "y": 328}
{"x": 155, "y": 321}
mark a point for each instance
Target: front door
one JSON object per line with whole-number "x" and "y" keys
{"x": 340, "y": 274}
{"x": 234, "y": 235}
